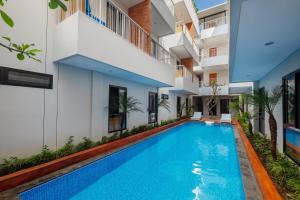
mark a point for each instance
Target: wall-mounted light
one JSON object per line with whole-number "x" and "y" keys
{"x": 269, "y": 43}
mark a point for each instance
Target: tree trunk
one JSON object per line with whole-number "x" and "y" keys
{"x": 250, "y": 127}
{"x": 273, "y": 129}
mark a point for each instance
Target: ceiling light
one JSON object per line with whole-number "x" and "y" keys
{"x": 269, "y": 43}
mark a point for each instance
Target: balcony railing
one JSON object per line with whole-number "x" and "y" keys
{"x": 108, "y": 14}
{"x": 182, "y": 71}
{"x": 181, "y": 27}
{"x": 213, "y": 23}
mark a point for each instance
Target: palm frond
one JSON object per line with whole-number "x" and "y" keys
{"x": 164, "y": 103}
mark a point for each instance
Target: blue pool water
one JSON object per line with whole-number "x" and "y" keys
{"x": 293, "y": 137}
{"x": 192, "y": 161}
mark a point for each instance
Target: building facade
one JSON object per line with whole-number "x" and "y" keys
{"x": 94, "y": 54}
{"x": 213, "y": 68}
{"x": 262, "y": 52}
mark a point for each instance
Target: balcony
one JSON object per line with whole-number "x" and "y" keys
{"x": 182, "y": 43}
{"x": 206, "y": 90}
{"x": 186, "y": 82}
{"x": 213, "y": 30}
{"x": 215, "y": 62}
{"x": 163, "y": 19}
{"x": 185, "y": 11}
{"x": 117, "y": 46}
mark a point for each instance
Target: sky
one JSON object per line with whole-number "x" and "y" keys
{"x": 202, "y": 4}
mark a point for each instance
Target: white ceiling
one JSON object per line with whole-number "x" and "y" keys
{"x": 254, "y": 23}
{"x": 90, "y": 64}
{"x": 212, "y": 10}
{"x": 159, "y": 26}
{"x": 130, "y": 3}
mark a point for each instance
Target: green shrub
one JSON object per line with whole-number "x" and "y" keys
{"x": 113, "y": 137}
{"x": 85, "y": 144}
{"x": 67, "y": 149}
{"x": 14, "y": 164}
{"x": 284, "y": 172}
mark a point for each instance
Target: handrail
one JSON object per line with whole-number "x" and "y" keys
{"x": 120, "y": 23}
{"x": 125, "y": 14}
{"x": 213, "y": 23}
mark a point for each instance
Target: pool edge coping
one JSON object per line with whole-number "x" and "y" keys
{"x": 264, "y": 181}
{"x": 49, "y": 170}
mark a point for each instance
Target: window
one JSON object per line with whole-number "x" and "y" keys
{"x": 186, "y": 106}
{"x": 212, "y": 78}
{"x": 153, "y": 107}
{"x": 224, "y": 103}
{"x": 291, "y": 115}
{"x": 213, "y": 108}
{"x": 212, "y": 52}
{"x": 261, "y": 116}
{"x": 178, "y": 106}
{"x": 16, "y": 77}
{"x": 116, "y": 115}
{"x": 198, "y": 105}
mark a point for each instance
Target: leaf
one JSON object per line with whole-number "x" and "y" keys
{"x": 7, "y": 38}
{"x": 34, "y": 51}
{"x": 20, "y": 56}
{"x": 52, "y": 4}
{"x": 6, "y": 18}
{"x": 61, "y": 4}
{"x": 25, "y": 46}
{"x": 1, "y": 3}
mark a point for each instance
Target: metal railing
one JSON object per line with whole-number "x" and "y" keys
{"x": 182, "y": 27}
{"x": 110, "y": 15}
{"x": 213, "y": 23}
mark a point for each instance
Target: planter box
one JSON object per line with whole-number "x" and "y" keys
{"x": 17, "y": 178}
{"x": 265, "y": 183}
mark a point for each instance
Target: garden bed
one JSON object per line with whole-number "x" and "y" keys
{"x": 284, "y": 173}
{"x": 25, "y": 175}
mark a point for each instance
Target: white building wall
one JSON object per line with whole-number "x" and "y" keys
{"x": 222, "y": 76}
{"x": 163, "y": 114}
{"x": 222, "y": 49}
{"x": 76, "y": 106}
{"x": 274, "y": 78}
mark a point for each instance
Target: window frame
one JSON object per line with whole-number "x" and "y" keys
{"x": 287, "y": 127}
{"x": 4, "y": 78}
{"x": 109, "y": 115}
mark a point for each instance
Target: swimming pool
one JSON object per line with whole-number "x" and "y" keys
{"x": 190, "y": 161}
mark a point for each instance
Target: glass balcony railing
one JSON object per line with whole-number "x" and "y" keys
{"x": 213, "y": 23}
{"x": 108, "y": 14}
{"x": 182, "y": 71}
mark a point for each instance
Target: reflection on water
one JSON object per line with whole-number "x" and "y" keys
{"x": 197, "y": 192}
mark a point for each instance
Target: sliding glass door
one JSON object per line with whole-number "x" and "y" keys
{"x": 178, "y": 106}
{"x": 261, "y": 116}
{"x": 291, "y": 115}
{"x": 116, "y": 114}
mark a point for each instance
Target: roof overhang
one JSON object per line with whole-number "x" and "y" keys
{"x": 252, "y": 25}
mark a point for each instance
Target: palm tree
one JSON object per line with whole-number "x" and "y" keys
{"x": 238, "y": 106}
{"x": 269, "y": 101}
{"x": 164, "y": 103}
{"x": 128, "y": 105}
